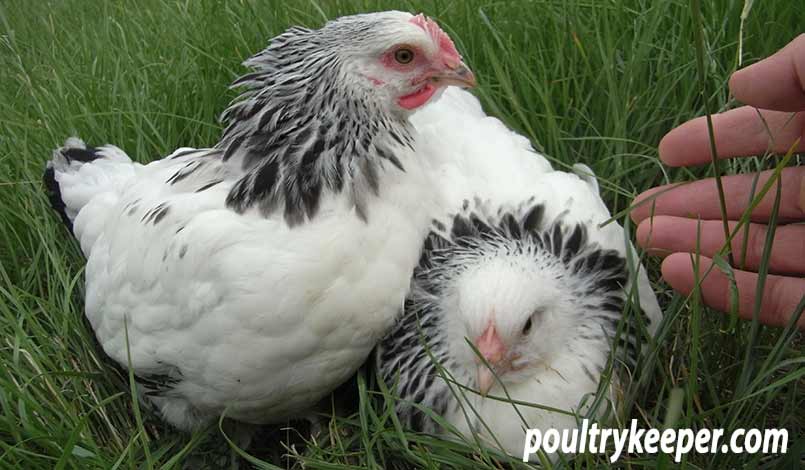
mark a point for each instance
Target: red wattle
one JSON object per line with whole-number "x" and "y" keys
{"x": 417, "y": 98}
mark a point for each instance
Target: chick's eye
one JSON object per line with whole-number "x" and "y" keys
{"x": 527, "y": 326}
{"x": 404, "y": 56}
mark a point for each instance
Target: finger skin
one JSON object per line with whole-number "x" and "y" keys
{"x": 663, "y": 235}
{"x": 780, "y": 294}
{"x": 700, "y": 198}
{"x": 739, "y": 132}
{"x": 785, "y": 70}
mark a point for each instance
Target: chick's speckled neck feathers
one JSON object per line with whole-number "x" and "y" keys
{"x": 591, "y": 280}
{"x": 308, "y": 124}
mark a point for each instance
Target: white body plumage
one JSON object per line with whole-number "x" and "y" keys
{"x": 239, "y": 311}
{"x": 254, "y": 277}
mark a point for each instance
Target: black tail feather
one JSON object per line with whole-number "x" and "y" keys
{"x": 70, "y": 154}
{"x": 76, "y": 154}
{"x": 54, "y": 194}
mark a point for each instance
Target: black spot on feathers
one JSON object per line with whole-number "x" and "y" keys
{"x": 311, "y": 196}
{"x": 511, "y": 226}
{"x": 612, "y": 261}
{"x": 233, "y": 146}
{"x": 266, "y": 177}
{"x": 388, "y": 155}
{"x": 573, "y": 243}
{"x": 80, "y": 155}
{"x": 208, "y": 185}
{"x": 480, "y": 225}
{"x": 156, "y": 214}
{"x": 161, "y": 214}
{"x": 556, "y": 237}
{"x": 185, "y": 171}
{"x": 157, "y": 385}
{"x": 533, "y": 218}
{"x": 183, "y": 153}
{"x": 462, "y": 227}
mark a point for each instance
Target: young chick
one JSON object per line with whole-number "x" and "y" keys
{"x": 521, "y": 272}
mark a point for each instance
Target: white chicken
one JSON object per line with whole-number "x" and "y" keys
{"x": 251, "y": 278}
{"x": 519, "y": 287}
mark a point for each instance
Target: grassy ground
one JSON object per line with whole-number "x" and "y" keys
{"x": 592, "y": 81}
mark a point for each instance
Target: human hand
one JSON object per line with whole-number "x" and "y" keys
{"x": 775, "y": 85}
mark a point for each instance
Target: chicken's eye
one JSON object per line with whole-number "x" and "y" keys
{"x": 527, "y": 326}
{"x": 404, "y": 56}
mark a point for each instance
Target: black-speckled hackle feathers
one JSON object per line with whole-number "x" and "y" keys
{"x": 416, "y": 349}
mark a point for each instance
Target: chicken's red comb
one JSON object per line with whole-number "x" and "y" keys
{"x": 441, "y": 38}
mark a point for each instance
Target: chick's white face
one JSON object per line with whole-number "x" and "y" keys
{"x": 409, "y": 60}
{"x": 514, "y": 311}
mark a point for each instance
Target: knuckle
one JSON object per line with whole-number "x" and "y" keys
{"x": 797, "y": 45}
{"x": 800, "y": 196}
{"x": 774, "y": 297}
{"x": 799, "y": 250}
{"x": 755, "y": 243}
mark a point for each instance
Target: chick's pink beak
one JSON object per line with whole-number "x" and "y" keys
{"x": 494, "y": 353}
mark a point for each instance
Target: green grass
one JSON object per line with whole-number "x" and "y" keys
{"x": 588, "y": 81}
